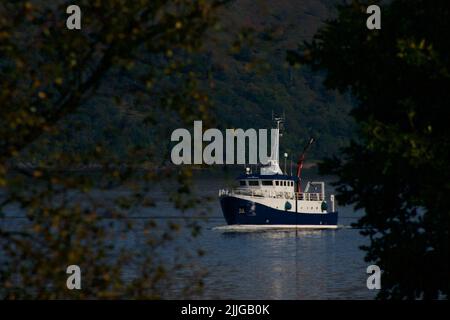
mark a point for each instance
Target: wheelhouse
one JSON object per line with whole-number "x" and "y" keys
{"x": 274, "y": 182}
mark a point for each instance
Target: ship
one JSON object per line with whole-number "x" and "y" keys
{"x": 275, "y": 199}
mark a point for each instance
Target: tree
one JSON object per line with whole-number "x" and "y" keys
{"x": 127, "y": 52}
{"x": 397, "y": 169}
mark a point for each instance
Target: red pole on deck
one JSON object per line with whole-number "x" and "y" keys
{"x": 300, "y": 164}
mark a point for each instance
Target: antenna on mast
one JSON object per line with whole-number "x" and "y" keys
{"x": 279, "y": 120}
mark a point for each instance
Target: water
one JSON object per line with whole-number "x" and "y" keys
{"x": 285, "y": 265}
{"x": 255, "y": 264}
{"x": 278, "y": 264}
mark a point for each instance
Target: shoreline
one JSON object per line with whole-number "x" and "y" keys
{"x": 95, "y": 167}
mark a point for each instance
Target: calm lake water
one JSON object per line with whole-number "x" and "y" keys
{"x": 308, "y": 264}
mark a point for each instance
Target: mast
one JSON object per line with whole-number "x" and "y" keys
{"x": 275, "y": 152}
{"x": 273, "y": 166}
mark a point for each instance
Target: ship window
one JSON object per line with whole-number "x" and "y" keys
{"x": 253, "y": 183}
{"x": 267, "y": 183}
{"x": 284, "y": 183}
{"x": 242, "y": 182}
{"x": 277, "y": 183}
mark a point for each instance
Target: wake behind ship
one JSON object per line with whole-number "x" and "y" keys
{"x": 274, "y": 199}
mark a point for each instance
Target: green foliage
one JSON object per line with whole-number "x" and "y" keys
{"x": 130, "y": 57}
{"x": 397, "y": 170}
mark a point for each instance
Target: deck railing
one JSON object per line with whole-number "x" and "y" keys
{"x": 308, "y": 196}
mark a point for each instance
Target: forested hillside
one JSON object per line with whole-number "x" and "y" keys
{"x": 246, "y": 83}
{"x": 255, "y": 81}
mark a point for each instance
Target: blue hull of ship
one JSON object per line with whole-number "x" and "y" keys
{"x": 240, "y": 211}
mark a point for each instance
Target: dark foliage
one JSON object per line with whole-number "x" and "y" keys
{"x": 397, "y": 170}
